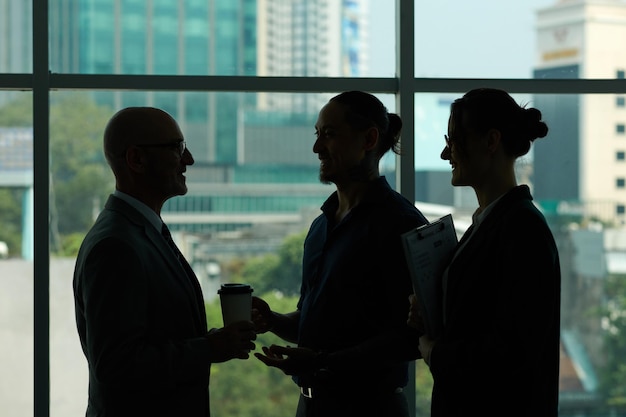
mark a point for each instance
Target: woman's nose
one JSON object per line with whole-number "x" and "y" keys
{"x": 445, "y": 153}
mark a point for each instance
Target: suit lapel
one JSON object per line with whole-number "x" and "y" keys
{"x": 493, "y": 219}
{"x": 180, "y": 271}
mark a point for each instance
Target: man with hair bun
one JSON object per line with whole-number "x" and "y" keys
{"x": 350, "y": 323}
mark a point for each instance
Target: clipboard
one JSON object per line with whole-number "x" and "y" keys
{"x": 428, "y": 250}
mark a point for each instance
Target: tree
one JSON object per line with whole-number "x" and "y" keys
{"x": 248, "y": 388}
{"x": 613, "y": 373}
{"x": 79, "y": 177}
{"x": 281, "y": 271}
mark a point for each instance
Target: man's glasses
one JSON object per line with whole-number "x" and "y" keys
{"x": 448, "y": 141}
{"x": 179, "y": 145}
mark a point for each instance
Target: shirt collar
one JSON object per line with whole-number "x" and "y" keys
{"x": 378, "y": 187}
{"x": 142, "y": 208}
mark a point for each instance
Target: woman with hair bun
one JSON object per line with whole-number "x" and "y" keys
{"x": 499, "y": 350}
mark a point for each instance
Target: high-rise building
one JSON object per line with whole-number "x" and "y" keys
{"x": 16, "y": 36}
{"x": 221, "y": 37}
{"x": 310, "y": 39}
{"x": 580, "y": 173}
{"x": 581, "y": 169}
{"x": 252, "y": 149}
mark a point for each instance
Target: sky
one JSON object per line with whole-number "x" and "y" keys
{"x": 455, "y": 39}
{"x": 460, "y": 38}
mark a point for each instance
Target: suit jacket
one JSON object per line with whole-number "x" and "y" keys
{"x": 499, "y": 353}
{"x": 141, "y": 320}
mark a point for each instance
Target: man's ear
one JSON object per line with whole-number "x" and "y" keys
{"x": 371, "y": 139}
{"x": 494, "y": 136}
{"x": 135, "y": 159}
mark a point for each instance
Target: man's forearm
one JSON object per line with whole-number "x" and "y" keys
{"x": 285, "y": 326}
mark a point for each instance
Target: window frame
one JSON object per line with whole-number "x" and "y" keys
{"x": 404, "y": 86}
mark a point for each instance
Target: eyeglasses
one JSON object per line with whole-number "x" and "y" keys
{"x": 448, "y": 141}
{"x": 179, "y": 145}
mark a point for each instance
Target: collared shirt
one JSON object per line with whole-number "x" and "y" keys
{"x": 478, "y": 218}
{"x": 142, "y": 208}
{"x": 355, "y": 280}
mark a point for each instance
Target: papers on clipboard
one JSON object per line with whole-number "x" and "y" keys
{"x": 428, "y": 250}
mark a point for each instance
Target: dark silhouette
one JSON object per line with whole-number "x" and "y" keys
{"x": 353, "y": 342}
{"x": 139, "y": 307}
{"x": 499, "y": 351}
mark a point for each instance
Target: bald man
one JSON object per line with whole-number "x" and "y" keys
{"x": 139, "y": 308}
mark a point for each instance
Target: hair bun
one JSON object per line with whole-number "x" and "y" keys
{"x": 534, "y": 126}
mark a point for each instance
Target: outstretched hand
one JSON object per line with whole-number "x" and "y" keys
{"x": 261, "y": 315}
{"x": 290, "y": 360}
{"x": 232, "y": 341}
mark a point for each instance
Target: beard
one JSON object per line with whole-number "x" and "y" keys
{"x": 325, "y": 180}
{"x": 357, "y": 173}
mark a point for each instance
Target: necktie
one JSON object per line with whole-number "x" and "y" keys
{"x": 165, "y": 231}
{"x": 192, "y": 283}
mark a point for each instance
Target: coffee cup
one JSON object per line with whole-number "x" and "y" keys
{"x": 236, "y": 302}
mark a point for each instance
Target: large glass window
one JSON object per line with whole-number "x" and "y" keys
{"x": 251, "y": 77}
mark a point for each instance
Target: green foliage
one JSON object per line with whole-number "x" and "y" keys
{"x": 18, "y": 112}
{"x": 79, "y": 176}
{"x": 423, "y": 388}
{"x": 259, "y": 272}
{"x": 281, "y": 271}
{"x": 71, "y": 244}
{"x": 248, "y": 388}
{"x": 613, "y": 374}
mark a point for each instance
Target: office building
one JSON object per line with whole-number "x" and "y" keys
{"x": 16, "y": 34}
{"x": 228, "y": 133}
{"x": 582, "y": 166}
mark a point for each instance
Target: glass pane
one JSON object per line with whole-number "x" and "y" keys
{"x": 16, "y": 42}
{"x": 545, "y": 39}
{"x": 575, "y": 175}
{"x": 16, "y": 253}
{"x": 223, "y": 37}
{"x": 79, "y": 183}
{"x": 253, "y": 191}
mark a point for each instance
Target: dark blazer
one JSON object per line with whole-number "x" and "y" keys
{"x": 499, "y": 353}
{"x": 141, "y": 321}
